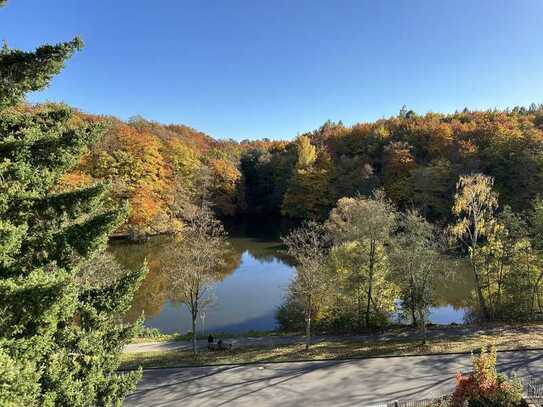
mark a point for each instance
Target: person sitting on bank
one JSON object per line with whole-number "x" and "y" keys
{"x": 222, "y": 346}
{"x": 210, "y": 342}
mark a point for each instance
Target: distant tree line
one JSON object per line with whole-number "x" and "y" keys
{"x": 416, "y": 160}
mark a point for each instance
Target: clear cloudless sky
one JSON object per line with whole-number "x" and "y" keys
{"x": 273, "y": 68}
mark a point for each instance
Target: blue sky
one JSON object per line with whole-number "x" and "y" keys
{"x": 253, "y": 69}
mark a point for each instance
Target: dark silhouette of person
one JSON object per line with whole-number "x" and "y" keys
{"x": 210, "y": 339}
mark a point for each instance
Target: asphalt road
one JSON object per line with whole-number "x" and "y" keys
{"x": 363, "y": 382}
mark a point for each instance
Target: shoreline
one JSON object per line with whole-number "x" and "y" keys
{"x": 292, "y": 348}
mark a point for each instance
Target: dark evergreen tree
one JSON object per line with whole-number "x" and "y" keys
{"x": 60, "y": 338}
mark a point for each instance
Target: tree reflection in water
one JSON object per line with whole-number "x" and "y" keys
{"x": 251, "y": 283}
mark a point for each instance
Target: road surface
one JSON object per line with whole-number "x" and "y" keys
{"x": 362, "y": 382}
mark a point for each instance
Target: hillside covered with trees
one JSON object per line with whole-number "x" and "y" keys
{"x": 415, "y": 159}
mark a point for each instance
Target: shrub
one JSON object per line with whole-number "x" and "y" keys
{"x": 444, "y": 401}
{"x": 290, "y": 316}
{"x": 485, "y": 387}
{"x": 146, "y": 332}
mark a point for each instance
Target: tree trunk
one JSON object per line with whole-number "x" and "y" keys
{"x": 308, "y": 324}
{"x": 422, "y": 324}
{"x": 413, "y": 307}
{"x": 360, "y": 308}
{"x": 194, "y": 334}
{"x": 368, "y": 305}
{"x": 478, "y": 289}
{"x": 535, "y": 295}
{"x": 498, "y": 305}
{"x": 480, "y": 297}
{"x": 307, "y": 333}
{"x": 370, "y": 282}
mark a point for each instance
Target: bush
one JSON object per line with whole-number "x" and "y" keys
{"x": 485, "y": 387}
{"x": 146, "y": 332}
{"x": 444, "y": 401}
{"x": 290, "y": 316}
{"x": 344, "y": 320}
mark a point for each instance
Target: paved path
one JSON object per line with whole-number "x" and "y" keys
{"x": 275, "y": 340}
{"x": 363, "y": 382}
{"x": 242, "y": 342}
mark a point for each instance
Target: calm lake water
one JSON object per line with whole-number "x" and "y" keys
{"x": 254, "y": 283}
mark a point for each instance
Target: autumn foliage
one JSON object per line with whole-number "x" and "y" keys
{"x": 484, "y": 386}
{"x": 150, "y": 165}
{"x": 415, "y": 159}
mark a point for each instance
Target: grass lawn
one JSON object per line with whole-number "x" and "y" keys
{"x": 506, "y": 339}
{"x": 162, "y": 337}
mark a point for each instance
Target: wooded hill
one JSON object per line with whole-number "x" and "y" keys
{"x": 416, "y": 160}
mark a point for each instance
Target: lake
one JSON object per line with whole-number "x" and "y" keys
{"x": 255, "y": 279}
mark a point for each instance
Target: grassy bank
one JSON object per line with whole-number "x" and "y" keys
{"x": 506, "y": 339}
{"x": 154, "y": 335}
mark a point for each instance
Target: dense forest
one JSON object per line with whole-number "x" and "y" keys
{"x": 415, "y": 159}
{"x": 381, "y": 198}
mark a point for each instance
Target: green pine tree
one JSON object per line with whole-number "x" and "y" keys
{"x": 60, "y": 337}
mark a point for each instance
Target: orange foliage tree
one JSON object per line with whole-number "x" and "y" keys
{"x": 484, "y": 386}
